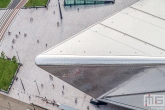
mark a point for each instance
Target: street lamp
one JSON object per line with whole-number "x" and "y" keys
{"x": 22, "y": 84}
{"x": 60, "y": 9}
{"x": 18, "y": 57}
{"x": 37, "y": 86}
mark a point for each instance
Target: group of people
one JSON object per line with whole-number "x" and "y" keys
{"x": 13, "y": 41}
{"x": 50, "y": 102}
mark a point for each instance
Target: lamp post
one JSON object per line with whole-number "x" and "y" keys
{"x": 60, "y": 9}
{"x": 18, "y": 57}
{"x": 22, "y": 84}
{"x": 37, "y": 86}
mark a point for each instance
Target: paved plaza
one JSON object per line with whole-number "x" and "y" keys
{"x": 34, "y": 36}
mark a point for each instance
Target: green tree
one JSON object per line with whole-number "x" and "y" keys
{"x": 14, "y": 59}
{"x": 3, "y": 55}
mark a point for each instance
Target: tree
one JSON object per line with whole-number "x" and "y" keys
{"x": 3, "y": 55}
{"x": 14, "y": 59}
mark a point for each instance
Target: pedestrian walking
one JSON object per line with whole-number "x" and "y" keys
{"x": 58, "y": 24}
{"x": 13, "y": 41}
{"x": 84, "y": 96}
{"x": 63, "y": 87}
{"x": 54, "y": 12}
{"x": 54, "y": 102}
{"x": 9, "y": 104}
{"x": 53, "y": 86}
{"x": 16, "y": 78}
{"x": 51, "y": 77}
{"x": 9, "y": 33}
{"x": 25, "y": 35}
{"x": 87, "y": 107}
{"x": 46, "y": 45}
{"x": 62, "y": 92}
{"x": 42, "y": 85}
{"x": 44, "y": 99}
{"x": 29, "y": 97}
{"x": 76, "y": 100}
{"x": 12, "y": 47}
{"x": 91, "y": 100}
{"x": 37, "y": 41}
{"x": 78, "y": 9}
{"x": 19, "y": 33}
{"x": 31, "y": 19}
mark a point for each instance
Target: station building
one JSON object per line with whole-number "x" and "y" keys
{"x": 119, "y": 60}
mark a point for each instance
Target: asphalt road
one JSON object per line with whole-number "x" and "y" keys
{"x": 13, "y": 4}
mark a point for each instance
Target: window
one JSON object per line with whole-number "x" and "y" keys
{"x": 84, "y": 2}
{"x": 89, "y": 1}
{"x": 69, "y": 2}
{"x": 79, "y": 2}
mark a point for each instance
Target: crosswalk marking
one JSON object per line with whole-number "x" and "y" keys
{"x": 8, "y": 16}
{"x": 5, "y": 24}
{"x": 5, "y": 16}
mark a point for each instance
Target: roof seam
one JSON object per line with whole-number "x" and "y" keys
{"x": 147, "y": 13}
{"x": 118, "y": 103}
{"x": 122, "y": 43}
{"x": 144, "y": 21}
{"x": 133, "y": 37}
{"x": 134, "y": 94}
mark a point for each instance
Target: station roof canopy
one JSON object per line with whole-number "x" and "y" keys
{"x": 134, "y": 35}
{"x": 138, "y": 30}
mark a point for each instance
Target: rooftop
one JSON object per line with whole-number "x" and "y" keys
{"x": 126, "y": 33}
{"x": 133, "y": 36}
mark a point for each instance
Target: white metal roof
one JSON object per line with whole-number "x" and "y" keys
{"x": 135, "y": 31}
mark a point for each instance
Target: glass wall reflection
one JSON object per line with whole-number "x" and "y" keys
{"x": 86, "y": 2}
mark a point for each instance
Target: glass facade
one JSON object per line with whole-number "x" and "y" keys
{"x": 86, "y": 2}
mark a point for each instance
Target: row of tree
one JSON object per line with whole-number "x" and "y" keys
{"x": 5, "y": 57}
